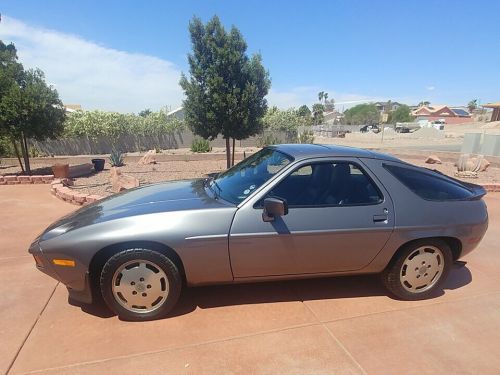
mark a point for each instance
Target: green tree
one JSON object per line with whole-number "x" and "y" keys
{"x": 145, "y": 112}
{"x": 225, "y": 92}
{"x": 321, "y": 95}
{"x": 304, "y": 111}
{"x": 472, "y": 105}
{"x": 424, "y": 103}
{"x": 401, "y": 114}
{"x": 318, "y": 110}
{"x": 11, "y": 73}
{"x": 362, "y": 114}
{"x": 29, "y": 108}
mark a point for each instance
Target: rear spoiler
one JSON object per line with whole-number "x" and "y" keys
{"x": 478, "y": 191}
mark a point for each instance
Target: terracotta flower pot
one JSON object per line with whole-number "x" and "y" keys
{"x": 60, "y": 170}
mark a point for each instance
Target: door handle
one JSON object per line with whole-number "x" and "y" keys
{"x": 380, "y": 218}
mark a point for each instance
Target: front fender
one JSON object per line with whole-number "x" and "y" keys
{"x": 199, "y": 237}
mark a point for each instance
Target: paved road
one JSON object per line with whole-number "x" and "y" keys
{"x": 344, "y": 325}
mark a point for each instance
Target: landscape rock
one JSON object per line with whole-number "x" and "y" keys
{"x": 483, "y": 165}
{"x": 433, "y": 159}
{"x": 80, "y": 170}
{"x": 121, "y": 181}
{"x": 148, "y": 158}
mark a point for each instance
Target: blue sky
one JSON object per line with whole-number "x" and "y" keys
{"x": 127, "y": 55}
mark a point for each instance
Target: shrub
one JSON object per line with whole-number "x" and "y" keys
{"x": 306, "y": 136}
{"x": 116, "y": 159}
{"x": 287, "y": 120}
{"x": 95, "y": 124}
{"x": 6, "y": 148}
{"x": 200, "y": 145}
{"x": 267, "y": 140}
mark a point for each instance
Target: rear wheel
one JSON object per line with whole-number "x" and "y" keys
{"x": 418, "y": 270}
{"x": 140, "y": 284}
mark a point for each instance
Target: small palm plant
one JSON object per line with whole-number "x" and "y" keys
{"x": 116, "y": 159}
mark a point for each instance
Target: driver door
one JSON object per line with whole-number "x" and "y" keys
{"x": 338, "y": 220}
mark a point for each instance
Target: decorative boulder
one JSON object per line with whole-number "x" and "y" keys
{"x": 80, "y": 170}
{"x": 484, "y": 164}
{"x": 148, "y": 158}
{"x": 433, "y": 159}
{"x": 121, "y": 181}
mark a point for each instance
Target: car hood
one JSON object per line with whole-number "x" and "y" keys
{"x": 161, "y": 197}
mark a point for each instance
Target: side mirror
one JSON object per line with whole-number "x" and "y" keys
{"x": 274, "y": 207}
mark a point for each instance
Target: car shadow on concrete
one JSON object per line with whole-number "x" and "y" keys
{"x": 207, "y": 297}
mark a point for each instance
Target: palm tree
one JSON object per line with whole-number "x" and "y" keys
{"x": 472, "y": 105}
{"x": 325, "y": 96}
{"x": 321, "y": 95}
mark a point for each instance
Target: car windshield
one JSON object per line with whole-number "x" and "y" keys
{"x": 238, "y": 182}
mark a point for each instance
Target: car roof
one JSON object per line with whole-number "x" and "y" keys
{"x": 307, "y": 151}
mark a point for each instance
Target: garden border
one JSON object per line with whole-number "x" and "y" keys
{"x": 17, "y": 180}
{"x": 60, "y": 189}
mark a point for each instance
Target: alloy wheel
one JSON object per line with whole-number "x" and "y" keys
{"x": 140, "y": 286}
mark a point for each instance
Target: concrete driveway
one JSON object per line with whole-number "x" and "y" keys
{"x": 343, "y": 325}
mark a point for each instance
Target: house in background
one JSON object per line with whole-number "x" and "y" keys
{"x": 495, "y": 116}
{"x": 433, "y": 112}
{"x": 69, "y": 108}
{"x": 332, "y": 117}
{"x": 385, "y": 107}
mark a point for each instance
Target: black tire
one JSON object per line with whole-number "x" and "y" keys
{"x": 158, "y": 262}
{"x": 392, "y": 279}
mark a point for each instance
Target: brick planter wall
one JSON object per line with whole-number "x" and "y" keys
{"x": 16, "y": 180}
{"x": 60, "y": 190}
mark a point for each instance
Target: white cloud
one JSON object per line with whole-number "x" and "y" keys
{"x": 430, "y": 88}
{"x": 94, "y": 76}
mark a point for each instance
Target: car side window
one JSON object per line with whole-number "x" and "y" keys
{"x": 429, "y": 185}
{"x": 327, "y": 184}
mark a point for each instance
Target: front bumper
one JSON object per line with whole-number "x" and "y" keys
{"x": 76, "y": 280}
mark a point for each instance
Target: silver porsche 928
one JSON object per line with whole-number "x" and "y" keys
{"x": 288, "y": 211}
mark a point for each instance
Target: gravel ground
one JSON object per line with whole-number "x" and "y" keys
{"x": 98, "y": 183}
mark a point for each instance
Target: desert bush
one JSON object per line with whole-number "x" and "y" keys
{"x": 116, "y": 159}
{"x": 200, "y": 145}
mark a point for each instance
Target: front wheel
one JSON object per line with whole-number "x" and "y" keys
{"x": 140, "y": 284}
{"x": 418, "y": 270}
